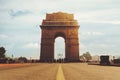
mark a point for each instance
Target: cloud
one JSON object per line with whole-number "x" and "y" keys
{"x": 15, "y": 13}
{"x": 102, "y": 21}
{"x": 2, "y": 36}
{"x": 110, "y": 16}
{"x": 32, "y": 45}
{"x": 92, "y": 33}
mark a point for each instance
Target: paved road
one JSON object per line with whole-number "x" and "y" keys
{"x": 32, "y": 72}
{"x": 90, "y": 72}
{"x": 67, "y": 71}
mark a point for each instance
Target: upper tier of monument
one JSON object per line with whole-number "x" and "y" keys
{"x": 59, "y": 19}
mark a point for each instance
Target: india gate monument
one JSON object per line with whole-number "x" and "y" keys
{"x": 59, "y": 25}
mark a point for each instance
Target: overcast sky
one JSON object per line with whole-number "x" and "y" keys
{"x": 99, "y": 21}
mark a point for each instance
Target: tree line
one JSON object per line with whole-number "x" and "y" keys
{"x": 5, "y": 59}
{"x": 85, "y": 57}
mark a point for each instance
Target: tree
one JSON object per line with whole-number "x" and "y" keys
{"x": 118, "y": 57}
{"x": 2, "y": 52}
{"x": 22, "y": 59}
{"x": 87, "y": 56}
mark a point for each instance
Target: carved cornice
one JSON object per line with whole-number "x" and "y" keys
{"x": 59, "y": 19}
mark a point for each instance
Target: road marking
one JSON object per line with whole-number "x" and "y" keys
{"x": 60, "y": 75}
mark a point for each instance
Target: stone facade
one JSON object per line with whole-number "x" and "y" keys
{"x": 59, "y": 25}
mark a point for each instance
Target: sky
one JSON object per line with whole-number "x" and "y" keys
{"x": 99, "y": 21}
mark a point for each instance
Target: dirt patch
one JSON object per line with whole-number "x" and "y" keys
{"x": 9, "y": 66}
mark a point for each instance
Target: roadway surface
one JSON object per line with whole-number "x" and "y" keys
{"x": 66, "y": 71}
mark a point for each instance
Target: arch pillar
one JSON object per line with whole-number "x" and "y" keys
{"x": 72, "y": 50}
{"x": 47, "y": 50}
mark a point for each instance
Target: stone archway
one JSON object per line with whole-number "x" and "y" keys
{"x": 63, "y": 25}
{"x": 59, "y": 49}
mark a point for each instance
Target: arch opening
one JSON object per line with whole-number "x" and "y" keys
{"x": 59, "y": 49}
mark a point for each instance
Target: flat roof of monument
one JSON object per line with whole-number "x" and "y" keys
{"x": 59, "y": 16}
